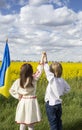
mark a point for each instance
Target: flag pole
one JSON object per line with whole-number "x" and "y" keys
{"x": 7, "y": 40}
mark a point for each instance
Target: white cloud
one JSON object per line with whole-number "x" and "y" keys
{"x": 42, "y": 28}
{"x": 47, "y": 15}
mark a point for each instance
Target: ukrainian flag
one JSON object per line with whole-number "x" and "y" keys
{"x": 5, "y": 72}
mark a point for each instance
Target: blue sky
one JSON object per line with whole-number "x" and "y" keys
{"x": 33, "y": 26}
{"x": 14, "y": 6}
{"x": 75, "y": 5}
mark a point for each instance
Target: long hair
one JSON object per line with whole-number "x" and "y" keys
{"x": 57, "y": 69}
{"x": 26, "y": 77}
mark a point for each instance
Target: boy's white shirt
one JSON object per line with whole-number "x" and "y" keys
{"x": 56, "y": 87}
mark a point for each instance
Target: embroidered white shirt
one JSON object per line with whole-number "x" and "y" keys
{"x": 56, "y": 87}
{"x": 16, "y": 90}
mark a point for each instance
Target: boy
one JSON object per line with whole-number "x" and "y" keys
{"x": 57, "y": 87}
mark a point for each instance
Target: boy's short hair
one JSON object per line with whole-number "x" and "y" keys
{"x": 56, "y": 68}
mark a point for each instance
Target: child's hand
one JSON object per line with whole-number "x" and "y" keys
{"x": 44, "y": 53}
{"x": 44, "y": 57}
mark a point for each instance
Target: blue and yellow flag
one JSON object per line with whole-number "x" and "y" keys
{"x": 5, "y": 72}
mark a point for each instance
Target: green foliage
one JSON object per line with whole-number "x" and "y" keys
{"x": 71, "y": 106}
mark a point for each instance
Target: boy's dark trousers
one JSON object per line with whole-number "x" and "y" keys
{"x": 54, "y": 116}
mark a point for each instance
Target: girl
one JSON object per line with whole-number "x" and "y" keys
{"x": 24, "y": 89}
{"x": 57, "y": 87}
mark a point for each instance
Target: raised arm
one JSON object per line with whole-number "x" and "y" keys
{"x": 49, "y": 75}
{"x": 38, "y": 73}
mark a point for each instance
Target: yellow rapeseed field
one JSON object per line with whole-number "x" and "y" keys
{"x": 70, "y": 70}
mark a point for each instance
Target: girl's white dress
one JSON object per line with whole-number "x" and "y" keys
{"x": 28, "y": 111}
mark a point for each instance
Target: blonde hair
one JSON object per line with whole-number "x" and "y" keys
{"x": 56, "y": 68}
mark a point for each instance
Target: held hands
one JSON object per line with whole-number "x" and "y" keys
{"x": 44, "y": 57}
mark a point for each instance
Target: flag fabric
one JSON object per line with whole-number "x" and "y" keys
{"x": 5, "y": 72}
